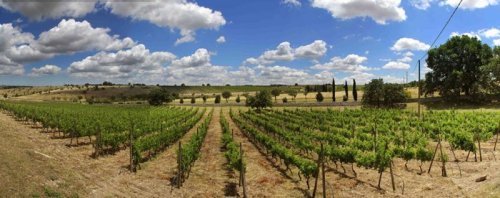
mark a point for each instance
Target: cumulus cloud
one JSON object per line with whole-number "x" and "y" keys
{"x": 496, "y": 42}
{"x": 71, "y": 36}
{"x": 292, "y": 2}
{"x": 134, "y": 62}
{"x": 470, "y": 4}
{"x": 361, "y": 77}
{"x": 490, "y": 33}
{"x": 396, "y": 65}
{"x": 470, "y": 34}
{"x": 421, "y": 4}
{"x": 409, "y": 44}
{"x": 350, "y": 63}
{"x": 314, "y": 50}
{"x": 40, "y": 10}
{"x": 46, "y": 70}
{"x": 221, "y": 39}
{"x": 284, "y": 52}
{"x": 175, "y": 14}
{"x": 380, "y": 11}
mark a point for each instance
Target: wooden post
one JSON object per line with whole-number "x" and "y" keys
{"x": 179, "y": 162}
{"x": 323, "y": 171}
{"x": 317, "y": 175}
{"x": 242, "y": 172}
{"x": 433, "y": 156}
{"x": 495, "y": 148}
{"x": 479, "y": 144}
{"x": 392, "y": 177}
{"x": 419, "y": 91}
{"x": 131, "y": 147}
{"x": 443, "y": 167}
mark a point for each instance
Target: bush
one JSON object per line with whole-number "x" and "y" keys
{"x": 319, "y": 97}
{"x": 261, "y": 100}
{"x": 204, "y": 99}
{"x": 285, "y": 100}
{"x": 159, "y": 96}
{"x": 238, "y": 100}
{"x": 193, "y": 100}
{"x": 377, "y": 93}
{"x": 181, "y": 101}
{"x": 226, "y": 95}
{"x": 217, "y": 99}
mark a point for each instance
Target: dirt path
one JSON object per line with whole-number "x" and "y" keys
{"x": 209, "y": 176}
{"x": 263, "y": 179}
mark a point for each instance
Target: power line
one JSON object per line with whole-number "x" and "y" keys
{"x": 441, "y": 32}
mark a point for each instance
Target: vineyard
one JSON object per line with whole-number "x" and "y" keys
{"x": 299, "y": 143}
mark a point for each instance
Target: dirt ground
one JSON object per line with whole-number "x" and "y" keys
{"x": 34, "y": 164}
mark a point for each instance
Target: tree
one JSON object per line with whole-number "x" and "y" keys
{"x": 261, "y": 100}
{"x": 5, "y": 95}
{"x": 319, "y": 97}
{"x": 276, "y": 93}
{"x": 333, "y": 89}
{"x": 204, "y": 99}
{"x": 285, "y": 100}
{"x": 456, "y": 67}
{"x": 491, "y": 78}
{"x": 226, "y": 95}
{"x": 193, "y": 100}
{"x": 305, "y": 93}
{"x": 238, "y": 100}
{"x": 159, "y": 96}
{"x": 217, "y": 99}
{"x": 346, "y": 89}
{"x": 293, "y": 93}
{"x": 181, "y": 101}
{"x": 379, "y": 94}
{"x": 354, "y": 90}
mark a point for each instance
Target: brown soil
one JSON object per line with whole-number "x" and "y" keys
{"x": 35, "y": 164}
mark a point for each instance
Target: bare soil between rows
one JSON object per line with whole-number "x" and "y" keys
{"x": 36, "y": 164}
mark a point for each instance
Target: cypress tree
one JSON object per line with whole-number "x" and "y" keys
{"x": 346, "y": 91}
{"x": 333, "y": 89}
{"x": 354, "y": 90}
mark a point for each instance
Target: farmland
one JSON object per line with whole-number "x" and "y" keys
{"x": 283, "y": 151}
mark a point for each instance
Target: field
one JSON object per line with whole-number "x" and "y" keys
{"x": 79, "y": 150}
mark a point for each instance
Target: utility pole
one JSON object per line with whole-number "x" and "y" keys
{"x": 419, "y": 93}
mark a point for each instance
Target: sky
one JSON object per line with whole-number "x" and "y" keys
{"x": 235, "y": 42}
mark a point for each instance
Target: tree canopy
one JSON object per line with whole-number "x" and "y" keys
{"x": 226, "y": 95}
{"x": 159, "y": 96}
{"x": 457, "y": 67}
{"x": 377, "y": 93}
{"x": 261, "y": 100}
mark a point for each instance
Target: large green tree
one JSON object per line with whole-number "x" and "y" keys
{"x": 377, "y": 93}
{"x": 457, "y": 67}
{"x": 159, "y": 96}
{"x": 261, "y": 100}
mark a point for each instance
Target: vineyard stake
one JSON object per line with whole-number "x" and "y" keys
{"x": 498, "y": 132}
{"x": 242, "y": 172}
{"x": 179, "y": 161}
{"x": 480, "y": 154}
{"x": 392, "y": 177}
{"x": 433, "y": 156}
{"x": 317, "y": 175}
{"x": 131, "y": 151}
{"x": 443, "y": 160}
{"x": 323, "y": 171}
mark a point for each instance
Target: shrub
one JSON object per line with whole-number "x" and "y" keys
{"x": 285, "y": 100}
{"x": 217, "y": 99}
{"x": 319, "y": 97}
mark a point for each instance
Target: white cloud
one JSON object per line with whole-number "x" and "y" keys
{"x": 380, "y": 11}
{"x": 490, "y": 33}
{"x": 292, "y": 2}
{"x": 46, "y": 70}
{"x": 496, "y": 42}
{"x": 351, "y": 63}
{"x": 40, "y": 10}
{"x": 409, "y": 44}
{"x": 396, "y": 65}
{"x": 407, "y": 57}
{"x": 71, "y": 36}
{"x": 314, "y": 50}
{"x": 361, "y": 77}
{"x": 176, "y": 14}
{"x": 284, "y": 52}
{"x": 392, "y": 79}
{"x": 470, "y": 4}
{"x": 470, "y": 34}
{"x": 421, "y": 4}
{"x": 136, "y": 62}
{"x": 201, "y": 57}
{"x": 221, "y": 39}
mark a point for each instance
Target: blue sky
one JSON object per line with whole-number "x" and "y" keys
{"x": 180, "y": 41}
